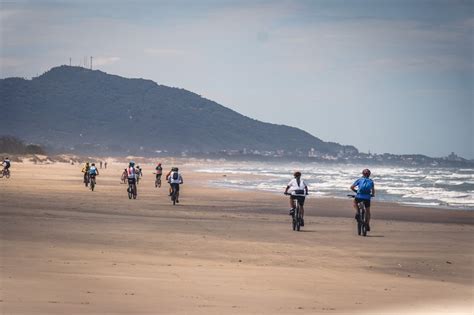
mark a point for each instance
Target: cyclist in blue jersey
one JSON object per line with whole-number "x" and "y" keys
{"x": 365, "y": 191}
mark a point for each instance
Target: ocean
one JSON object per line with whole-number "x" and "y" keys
{"x": 420, "y": 186}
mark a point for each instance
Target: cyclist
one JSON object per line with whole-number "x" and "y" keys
{"x": 365, "y": 191}
{"x": 85, "y": 170}
{"x": 132, "y": 175}
{"x": 168, "y": 179}
{"x": 124, "y": 175}
{"x": 93, "y": 172}
{"x": 297, "y": 189}
{"x": 175, "y": 179}
{"x": 159, "y": 172}
{"x": 6, "y": 164}
{"x": 139, "y": 173}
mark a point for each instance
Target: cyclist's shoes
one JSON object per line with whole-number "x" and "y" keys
{"x": 357, "y": 217}
{"x": 292, "y": 212}
{"x": 368, "y": 228}
{"x": 177, "y": 201}
{"x": 302, "y": 222}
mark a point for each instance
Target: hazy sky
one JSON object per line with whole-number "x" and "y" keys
{"x": 386, "y": 76}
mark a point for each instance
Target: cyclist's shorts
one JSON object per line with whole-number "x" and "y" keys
{"x": 158, "y": 175}
{"x": 131, "y": 180}
{"x": 300, "y": 199}
{"x": 175, "y": 187}
{"x": 365, "y": 201}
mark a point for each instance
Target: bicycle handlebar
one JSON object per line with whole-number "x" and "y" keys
{"x": 288, "y": 194}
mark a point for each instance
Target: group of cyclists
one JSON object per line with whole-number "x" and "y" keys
{"x": 90, "y": 172}
{"x": 297, "y": 188}
{"x": 132, "y": 175}
{"x": 363, "y": 187}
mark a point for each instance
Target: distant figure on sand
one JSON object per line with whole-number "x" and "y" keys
{"x": 297, "y": 189}
{"x": 365, "y": 191}
{"x": 105, "y": 164}
{"x": 100, "y": 164}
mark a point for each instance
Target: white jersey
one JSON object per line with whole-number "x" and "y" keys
{"x": 296, "y": 189}
{"x": 178, "y": 179}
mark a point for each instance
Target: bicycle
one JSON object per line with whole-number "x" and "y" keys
{"x": 296, "y": 217}
{"x": 92, "y": 182}
{"x": 361, "y": 218}
{"x": 132, "y": 189}
{"x": 86, "y": 179}
{"x": 157, "y": 181}
{"x": 174, "y": 194}
{"x": 5, "y": 172}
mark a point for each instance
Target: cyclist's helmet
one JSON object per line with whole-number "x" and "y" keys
{"x": 132, "y": 164}
{"x": 174, "y": 169}
{"x": 297, "y": 174}
{"x": 159, "y": 164}
{"x": 87, "y": 163}
{"x": 93, "y": 164}
{"x": 138, "y": 166}
{"x": 366, "y": 172}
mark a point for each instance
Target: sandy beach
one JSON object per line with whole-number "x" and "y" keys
{"x": 67, "y": 250}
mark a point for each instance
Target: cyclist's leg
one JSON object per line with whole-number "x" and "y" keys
{"x": 367, "y": 215}
{"x": 292, "y": 203}
{"x": 301, "y": 208}
{"x": 356, "y": 207}
{"x": 177, "y": 192}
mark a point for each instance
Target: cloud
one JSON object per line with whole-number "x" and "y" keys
{"x": 164, "y": 52}
{"x": 102, "y": 61}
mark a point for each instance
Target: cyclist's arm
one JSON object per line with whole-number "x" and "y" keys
{"x": 181, "y": 181}
{"x": 373, "y": 191}
{"x": 353, "y": 188}
{"x": 286, "y": 190}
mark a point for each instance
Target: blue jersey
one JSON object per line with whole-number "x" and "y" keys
{"x": 364, "y": 188}
{"x": 93, "y": 170}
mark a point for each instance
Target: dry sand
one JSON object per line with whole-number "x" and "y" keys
{"x": 67, "y": 250}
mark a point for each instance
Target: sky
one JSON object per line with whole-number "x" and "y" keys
{"x": 385, "y": 76}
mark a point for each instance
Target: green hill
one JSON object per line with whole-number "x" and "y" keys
{"x": 73, "y": 107}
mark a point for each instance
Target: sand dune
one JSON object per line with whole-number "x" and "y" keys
{"x": 67, "y": 250}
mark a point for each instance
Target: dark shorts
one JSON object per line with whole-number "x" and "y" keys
{"x": 175, "y": 187}
{"x": 365, "y": 201}
{"x": 300, "y": 199}
{"x": 158, "y": 175}
{"x": 131, "y": 180}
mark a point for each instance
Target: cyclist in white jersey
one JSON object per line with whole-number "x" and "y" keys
{"x": 297, "y": 189}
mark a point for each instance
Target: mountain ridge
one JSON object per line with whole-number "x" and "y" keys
{"x": 72, "y": 107}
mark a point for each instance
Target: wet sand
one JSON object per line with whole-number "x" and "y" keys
{"x": 67, "y": 250}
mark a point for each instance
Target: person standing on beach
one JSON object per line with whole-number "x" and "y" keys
{"x": 105, "y": 164}
{"x": 101, "y": 164}
{"x": 298, "y": 190}
{"x": 365, "y": 191}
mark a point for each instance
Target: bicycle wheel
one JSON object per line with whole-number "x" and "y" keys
{"x": 363, "y": 223}
{"x": 298, "y": 218}
{"x": 134, "y": 192}
{"x": 1, "y": 174}
{"x": 130, "y": 191}
{"x": 7, "y": 174}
